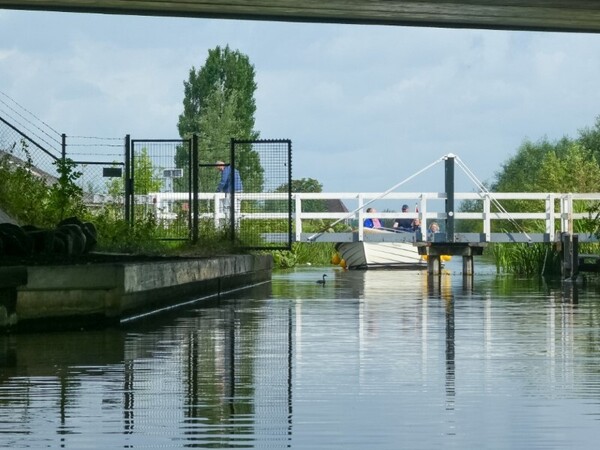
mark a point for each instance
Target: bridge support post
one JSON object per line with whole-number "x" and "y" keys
{"x": 570, "y": 255}
{"x": 435, "y": 251}
{"x": 468, "y": 265}
{"x": 434, "y": 265}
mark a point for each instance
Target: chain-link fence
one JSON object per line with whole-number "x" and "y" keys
{"x": 20, "y": 149}
{"x": 165, "y": 181}
{"x": 98, "y": 162}
{"x": 161, "y": 173}
{"x": 264, "y": 221}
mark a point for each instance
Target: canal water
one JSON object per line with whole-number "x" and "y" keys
{"x": 370, "y": 360}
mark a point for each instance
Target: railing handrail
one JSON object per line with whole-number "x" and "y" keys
{"x": 556, "y": 207}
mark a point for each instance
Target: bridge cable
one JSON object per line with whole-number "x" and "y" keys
{"x": 351, "y": 213}
{"x": 482, "y": 187}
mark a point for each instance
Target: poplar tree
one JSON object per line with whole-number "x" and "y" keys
{"x": 219, "y": 105}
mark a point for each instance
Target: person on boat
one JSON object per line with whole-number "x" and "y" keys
{"x": 432, "y": 229}
{"x": 406, "y": 224}
{"x": 372, "y": 223}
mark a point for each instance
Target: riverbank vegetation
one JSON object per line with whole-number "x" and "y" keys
{"x": 566, "y": 165}
{"x": 218, "y": 105}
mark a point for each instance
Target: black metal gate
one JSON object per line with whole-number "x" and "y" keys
{"x": 160, "y": 186}
{"x": 264, "y": 218}
{"x": 172, "y": 183}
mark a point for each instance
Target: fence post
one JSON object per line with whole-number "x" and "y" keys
{"x": 232, "y": 218}
{"x": 422, "y": 217}
{"x": 570, "y": 255}
{"x": 487, "y": 225}
{"x": 126, "y": 181}
{"x": 194, "y": 173}
{"x": 298, "y": 216}
{"x": 360, "y": 225}
{"x": 63, "y": 147}
{"x": 550, "y": 216}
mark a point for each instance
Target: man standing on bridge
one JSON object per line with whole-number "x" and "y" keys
{"x": 230, "y": 182}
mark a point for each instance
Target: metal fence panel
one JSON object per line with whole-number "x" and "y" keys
{"x": 272, "y": 174}
{"x": 160, "y": 173}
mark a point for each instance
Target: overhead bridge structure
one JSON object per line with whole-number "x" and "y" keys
{"x": 535, "y": 15}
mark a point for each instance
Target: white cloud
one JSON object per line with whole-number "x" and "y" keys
{"x": 367, "y": 103}
{"x": 5, "y": 54}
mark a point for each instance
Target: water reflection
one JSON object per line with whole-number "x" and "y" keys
{"x": 293, "y": 363}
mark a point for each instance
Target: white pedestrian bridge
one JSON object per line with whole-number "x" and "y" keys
{"x": 541, "y": 217}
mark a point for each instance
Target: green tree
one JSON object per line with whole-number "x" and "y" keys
{"x": 23, "y": 194}
{"x": 65, "y": 196}
{"x": 521, "y": 172}
{"x": 306, "y": 185}
{"x": 219, "y": 105}
{"x": 589, "y": 138}
{"x": 576, "y": 170}
{"x": 146, "y": 177}
{"x": 563, "y": 166}
{"x": 34, "y": 199}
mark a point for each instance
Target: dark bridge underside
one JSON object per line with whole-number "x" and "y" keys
{"x": 546, "y": 15}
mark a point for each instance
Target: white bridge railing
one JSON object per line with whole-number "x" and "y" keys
{"x": 558, "y": 211}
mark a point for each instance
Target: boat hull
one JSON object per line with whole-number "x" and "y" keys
{"x": 381, "y": 255}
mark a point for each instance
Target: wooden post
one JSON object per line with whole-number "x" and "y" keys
{"x": 575, "y": 256}
{"x": 468, "y": 266}
{"x": 434, "y": 265}
{"x": 570, "y": 255}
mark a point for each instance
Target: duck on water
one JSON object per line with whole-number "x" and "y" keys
{"x": 323, "y": 280}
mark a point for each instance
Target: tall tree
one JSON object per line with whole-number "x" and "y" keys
{"x": 520, "y": 172}
{"x": 219, "y": 105}
{"x": 576, "y": 171}
{"x": 589, "y": 137}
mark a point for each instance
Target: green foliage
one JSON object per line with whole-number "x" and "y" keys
{"x": 116, "y": 235}
{"x": 27, "y": 195}
{"x": 226, "y": 70}
{"x": 563, "y": 166}
{"x": 576, "y": 169}
{"x": 521, "y": 172}
{"x": 470, "y": 226}
{"x": 313, "y": 253}
{"x": 284, "y": 259}
{"x": 23, "y": 194}
{"x": 316, "y": 254}
{"x": 219, "y": 105}
{"x": 526, "y": 259}
{"x": 589, "y": 138}
{"x": 146, "y": 179}
{"x": 306, "y": 185}
{"x": 65, "y": 196}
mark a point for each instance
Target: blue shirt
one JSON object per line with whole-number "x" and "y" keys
{"x": 225, "y": 183}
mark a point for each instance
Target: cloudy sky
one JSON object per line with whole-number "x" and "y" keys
{"x": 365, "y": 106}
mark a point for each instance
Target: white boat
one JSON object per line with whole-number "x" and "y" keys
{"x": 386, "y": 250}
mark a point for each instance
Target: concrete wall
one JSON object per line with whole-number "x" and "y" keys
{"x": 95, "y": 295}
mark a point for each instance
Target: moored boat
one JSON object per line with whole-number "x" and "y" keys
{"x": 387, "y": 250}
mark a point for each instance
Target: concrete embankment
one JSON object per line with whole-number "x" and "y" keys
{"x": 96, "y": 295}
